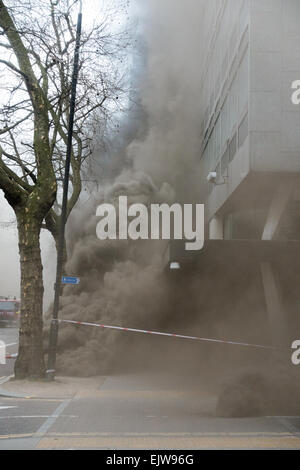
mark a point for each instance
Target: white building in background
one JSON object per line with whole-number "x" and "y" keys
{"x": 250, "y": 127}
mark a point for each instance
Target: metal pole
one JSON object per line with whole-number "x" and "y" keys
{"x": 60, "y": 250}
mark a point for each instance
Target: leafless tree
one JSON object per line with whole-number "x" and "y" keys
{"x": 37, "y": 40}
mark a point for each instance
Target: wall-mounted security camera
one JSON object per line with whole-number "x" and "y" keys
{"x": 211, "y": 177}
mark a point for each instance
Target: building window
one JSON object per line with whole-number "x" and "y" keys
{"x": 218, "y": 138}
{"x": 232, "y": 147}
{"x": 243, "y": 130}
{"x": 218, "y": 170}
{"x": 234, "y": 104}
{"x": 225, "y": 162}
{"x": 243, "y": 84}
{"x": 211, "y": 146}
{"x": 244, "y": 16}
{"x": 211, "y": 104}
{"x": 224, "y": 66}
{"x": 224, "y": 123}
{"x": 234, "y": 39}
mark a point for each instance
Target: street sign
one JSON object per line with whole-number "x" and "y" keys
{"x": 73, "y": 280}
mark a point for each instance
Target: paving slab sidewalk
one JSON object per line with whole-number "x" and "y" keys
{"x": 62, "y": 387}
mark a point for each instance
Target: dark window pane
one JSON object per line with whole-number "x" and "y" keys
{"x": 224, "y": 162}
{"x": 224, "y": 66}
{"x": 211, "y": 103}
{"x": 243, "y": 130}
{"x": 218, "y": 85}
{"x": 232, "y": 147}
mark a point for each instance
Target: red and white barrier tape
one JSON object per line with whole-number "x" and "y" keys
{"x": 195, "y": 338}
{"x": 174, "y": 335}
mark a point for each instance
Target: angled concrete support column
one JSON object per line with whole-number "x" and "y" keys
{"x": 274, "y": 305}
{"x": 277, "y": 208}
{"x": 276, "y": 316}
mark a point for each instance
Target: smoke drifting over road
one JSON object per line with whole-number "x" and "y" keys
{"x": 123, "y": 282}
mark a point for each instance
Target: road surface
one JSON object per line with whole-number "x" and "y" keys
{"x": 137, "y": 411}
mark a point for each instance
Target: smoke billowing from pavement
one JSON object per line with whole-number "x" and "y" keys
{"x": 123, "y": 282}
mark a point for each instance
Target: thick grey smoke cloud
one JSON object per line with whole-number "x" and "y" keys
{"x": 122, "y": 282}
{"x": 172, "y": 81}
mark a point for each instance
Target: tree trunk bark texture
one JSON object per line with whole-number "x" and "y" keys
{"x": 30, "y": 361}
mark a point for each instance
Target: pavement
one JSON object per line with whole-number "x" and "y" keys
{"x": 61, "y": 388}
{"x": 130, "y": 411}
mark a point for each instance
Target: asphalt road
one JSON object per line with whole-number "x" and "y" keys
{"x": 135, "y": 412}
{"x": 131, "y": 413}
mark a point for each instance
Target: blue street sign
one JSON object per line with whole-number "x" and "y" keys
{"x": 74, "y": 280}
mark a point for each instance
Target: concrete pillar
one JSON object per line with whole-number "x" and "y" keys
{"x": 277, "y": 208}
{"x": 274, "y": 305}
{"x": 275, "y": 311}
{"x": 216, "y": 228}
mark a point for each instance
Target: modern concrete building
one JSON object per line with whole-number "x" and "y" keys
{"x": 250, "y": 127}
{"x": 251, "y": 150}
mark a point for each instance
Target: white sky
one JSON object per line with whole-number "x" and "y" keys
{"x": 9, "y": 252}
{"x": 9, "y": 256}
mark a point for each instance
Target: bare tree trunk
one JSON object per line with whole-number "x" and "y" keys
{"x": 30, "y": 361}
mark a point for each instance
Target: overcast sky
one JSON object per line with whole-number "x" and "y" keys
{"x": 9, "y": 252}
{"x": 9, "y": 256}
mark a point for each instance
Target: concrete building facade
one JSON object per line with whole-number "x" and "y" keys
{"x": 250, "y": 127}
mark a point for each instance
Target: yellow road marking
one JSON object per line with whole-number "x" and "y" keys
{"x": 137, "y": 442}
{"x": 15, "y": 436}
{"x": 56, "y": 400}
{"x": 85, "y": 435}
